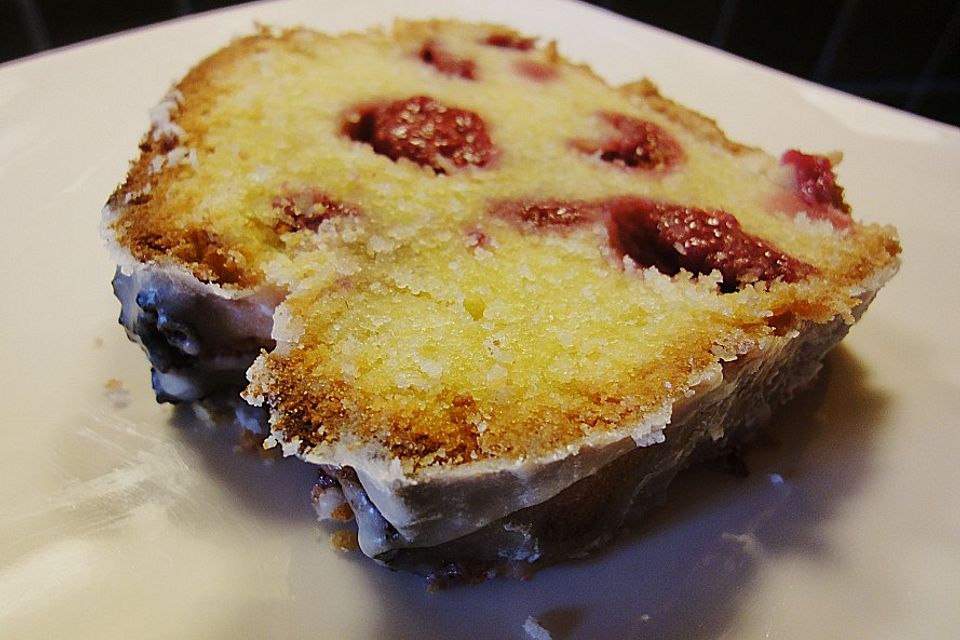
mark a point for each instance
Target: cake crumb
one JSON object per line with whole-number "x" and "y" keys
{"x": 330, "y": 504}
{"x": 535, "y": 630}
{"x": 342, "y": 513}
{"x": 249, "y": 441}
{"x": 97, "y": 343}
{"x": 345, "y": 540}
{"x": 116, "y": 393}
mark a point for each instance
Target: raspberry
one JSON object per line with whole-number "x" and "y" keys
{"x": 639, "y": 144}
{"x": 445, "y": 62}
{"x": 536, "y": 71}
{"x": 545, "y": 213}
{"x": 509, "y": 41}
{"x": 671, "y": 237}
{"x": 424, "y": 131}
{"x": 666, "y": 236}
{"x": 477, "y": 239}
{"x": 814, "y": 180}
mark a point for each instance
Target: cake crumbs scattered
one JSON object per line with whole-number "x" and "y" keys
{"x": 116, "y": 393}
{"x": 252, "y": 442}
{"x": 342, "y": 513}
{"x": 535, "y": 630}
{"x": 330, "y": 504}
{"x": 345, "y": 540}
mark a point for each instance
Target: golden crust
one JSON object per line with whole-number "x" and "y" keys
{"x": 646, "y": 91}
{"x": 399, "y": 332}
{"x": 150, "y": 226}
{"x": 454, "y": 427}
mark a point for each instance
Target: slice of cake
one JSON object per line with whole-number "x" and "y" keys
{"x": 497, "y": 301}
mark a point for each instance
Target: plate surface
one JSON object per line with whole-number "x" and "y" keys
{"x": 122, "y": 518}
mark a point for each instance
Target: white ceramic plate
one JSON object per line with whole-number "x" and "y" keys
{"x": 121, "y": 518}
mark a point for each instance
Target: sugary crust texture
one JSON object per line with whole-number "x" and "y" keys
{"x": 499, "y": 319}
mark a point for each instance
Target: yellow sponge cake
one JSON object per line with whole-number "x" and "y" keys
{"x": 498, "y": 301}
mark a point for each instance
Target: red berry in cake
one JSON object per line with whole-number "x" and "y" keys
{"x": 815, "y": 181}
{"x": 477, "y": 239}
{"x": 424, "y": 131}
{"x": 446, "y": 62}
{"x": 545, "y": 213}
{"x": 666, "y": 236}
{"x": 672, "y": 237}
{"x": 509, "y": 41}
{"x": 637, "y": 144}
{"x": 536, "y": 71}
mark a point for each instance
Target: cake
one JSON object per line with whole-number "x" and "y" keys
{"x": 498, "y": 302}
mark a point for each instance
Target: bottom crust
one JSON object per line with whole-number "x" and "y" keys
{"x": 588, "y": 513}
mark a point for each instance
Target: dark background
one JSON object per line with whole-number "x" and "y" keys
{"x": 900, "y": 52}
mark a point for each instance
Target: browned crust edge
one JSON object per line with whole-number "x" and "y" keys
{"x": 691, "y": 120}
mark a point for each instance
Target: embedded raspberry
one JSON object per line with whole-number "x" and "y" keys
{"x": 671, "y": 237}
{"x": 447, "y": 63}
{"x": 545, "y": 213}
{"x": 814, "y": 180}
{"x": 477, "y": 239}
{"x": 666, "y": 236}
{"x": 307, "y": 208}
{"x": 424, "y": 131}
{"x": 638, "y": 144}
{"x": 509, "y": 41}
{"x": 536, "y": 71}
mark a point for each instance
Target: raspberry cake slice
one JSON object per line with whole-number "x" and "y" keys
{"x": 497, "y": 301}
